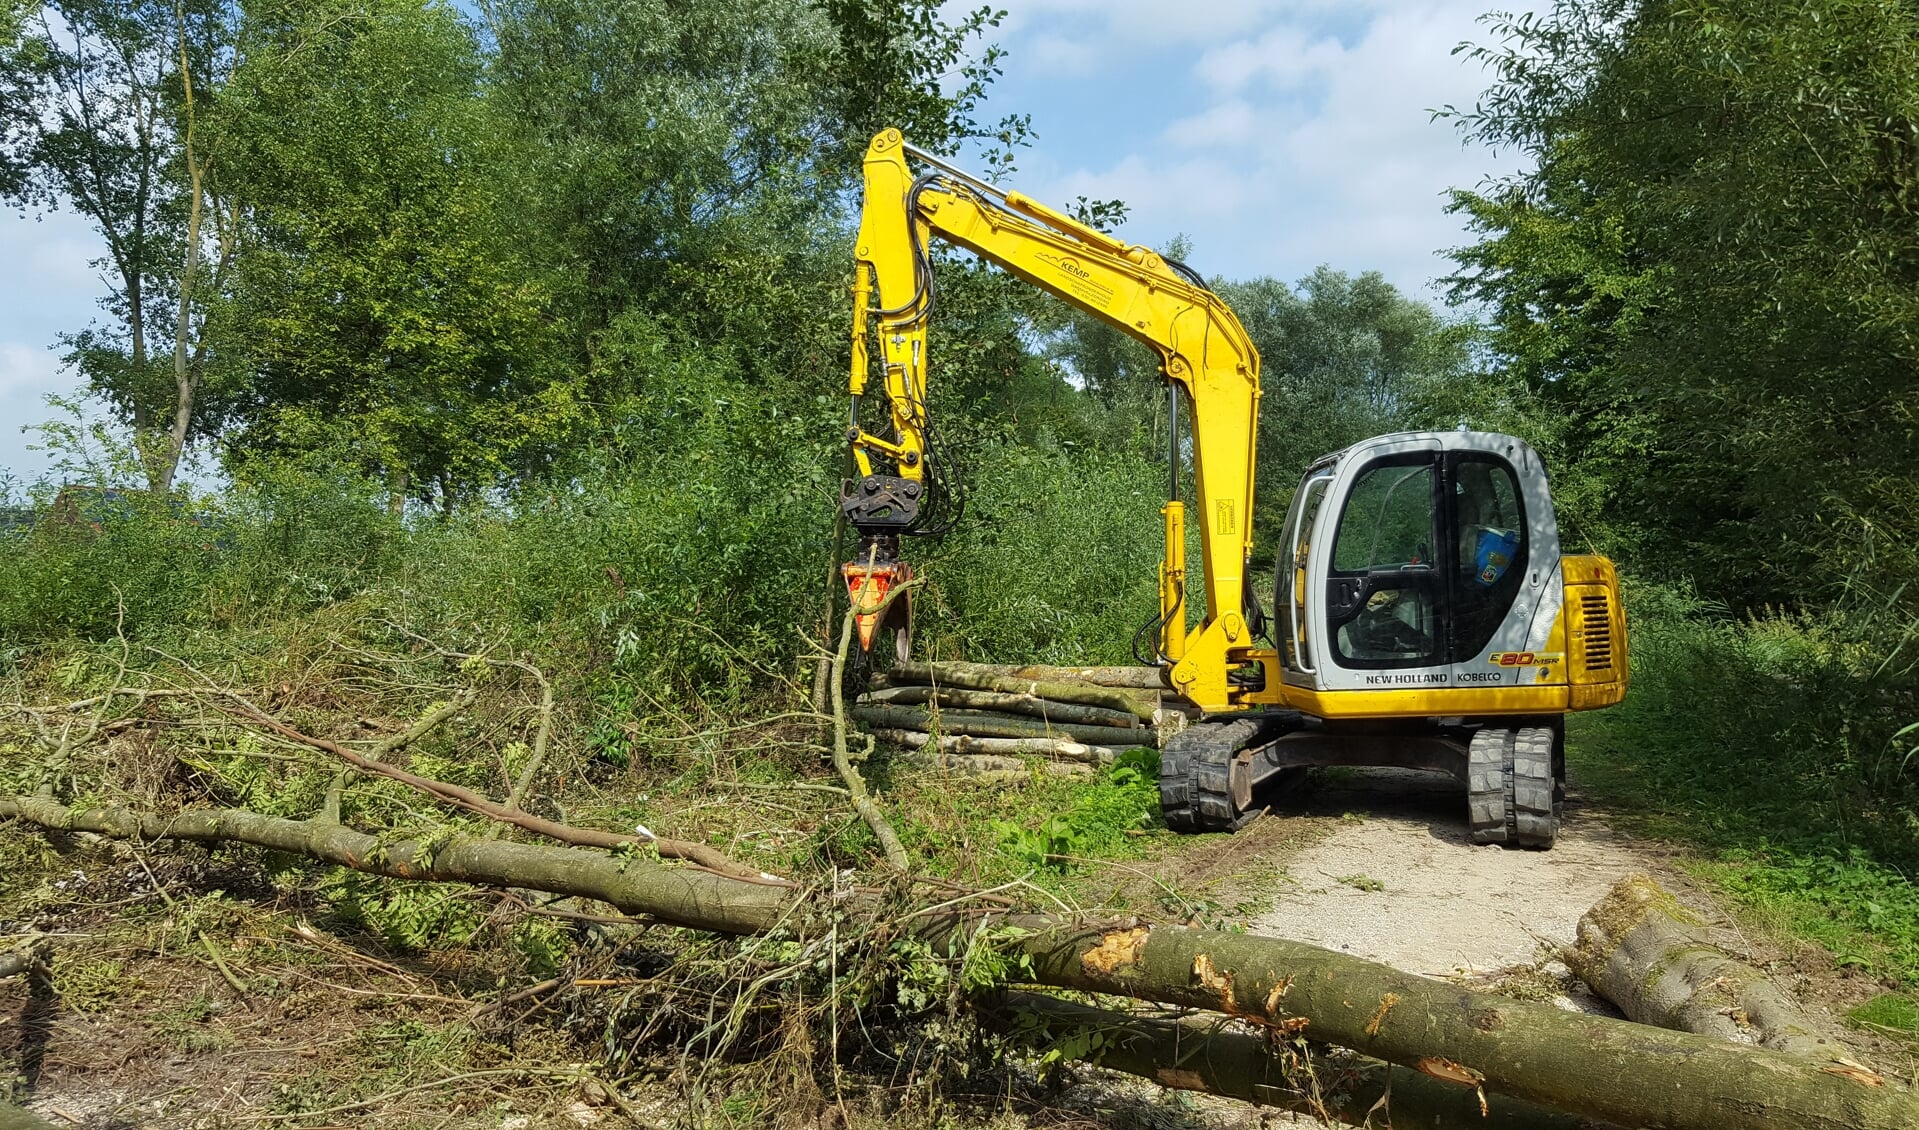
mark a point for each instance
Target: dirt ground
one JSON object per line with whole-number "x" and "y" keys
{"x": 1400, "y": 882}
{"x": 1395, "y": 878}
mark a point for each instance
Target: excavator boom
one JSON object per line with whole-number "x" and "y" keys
{"x": 1202, "y": 347}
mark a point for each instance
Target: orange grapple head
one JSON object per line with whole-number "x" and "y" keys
{"x": 866, "y": 588}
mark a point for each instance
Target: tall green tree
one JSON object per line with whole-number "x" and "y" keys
{"x": 386, "y": 305}
{"x": 103, "y": 110}
{"x": 1712, "y": 271}
{"x": 694, "y": 160}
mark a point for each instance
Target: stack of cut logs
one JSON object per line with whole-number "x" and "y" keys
{"x": 984, "y": 718}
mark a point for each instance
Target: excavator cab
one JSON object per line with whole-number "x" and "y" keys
{"x": 1424, "y": 617}
{"x": 1410, "y": 559}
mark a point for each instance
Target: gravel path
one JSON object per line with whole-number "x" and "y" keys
{"x": 1401, "y": 883}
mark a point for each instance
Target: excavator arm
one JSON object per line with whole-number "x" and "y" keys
{"x": 1202, "y": 348}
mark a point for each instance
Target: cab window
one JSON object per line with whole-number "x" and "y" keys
{"x": 1384, "y": 593}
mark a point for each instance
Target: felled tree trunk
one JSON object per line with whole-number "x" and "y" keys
{"x": 1641, "y": 950}
{"x": 985, "y": 724}
{"x": 1622, "y": 1072}
{"x": 973, "y": 676}
{"x": 1044, "y": 709}
{"x": 989, "y": 768}
{"x": 967, "y": 744}
{"x": 1131, "y": 678}
{"x": 1198, "y": 1052}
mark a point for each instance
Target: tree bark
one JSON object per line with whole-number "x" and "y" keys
{"x": 676, "y": 895}
{"x": 1615, "y": 1070}
{"x": 1198, "y": 1052}
{"x": 982, "y": 724}
{"x": 972, "y": 676}
{"x": 1641, "y": 950}
{"x": 914, "y": 741}
{"x": 1619, "y": 1071}
{"x": 1130, "y": 678}
{"x": 1046, "y": 709}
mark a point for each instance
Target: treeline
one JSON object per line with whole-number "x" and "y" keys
{"x": 546, "y": 263}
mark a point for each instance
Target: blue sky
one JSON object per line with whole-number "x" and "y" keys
{"x": 1275, "y": 135}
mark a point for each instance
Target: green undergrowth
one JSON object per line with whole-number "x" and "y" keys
{"x": 1890, "y": 1014}
{"x": 1781, "y": 746}
{"x": 1047, "y": 830}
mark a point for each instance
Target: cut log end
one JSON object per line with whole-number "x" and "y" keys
{"x": 1643, "y": 951}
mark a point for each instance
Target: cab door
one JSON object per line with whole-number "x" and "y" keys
{"x": 1293, "y": 592}
{"x": 1382, "y": 607}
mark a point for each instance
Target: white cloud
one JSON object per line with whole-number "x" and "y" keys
{"x": 27, "y": 374}
{"x": 1285, "y": 57}
{"x": 1060, "y": 55}
{"x": 51, "y": 253}
{"x": 26, "y": 371}
{"x": 1200, "y": 188}
{"x": 1134, "y": 22}
{"x": 50, "y": 288}
{"x": 1228, "y": 123}
{"x": 1305, "y": 146}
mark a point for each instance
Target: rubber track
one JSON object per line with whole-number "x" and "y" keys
{"x": 1195, "y": 771}
{"x": 1488, "y": 795}
{"x": 1535, "y": 819}
{"x": 1512, "y": 787}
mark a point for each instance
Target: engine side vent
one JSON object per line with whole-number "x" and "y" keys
{"x": 1595, "y": 636}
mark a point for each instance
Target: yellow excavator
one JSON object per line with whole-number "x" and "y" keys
{"x": 1425, "y": 616}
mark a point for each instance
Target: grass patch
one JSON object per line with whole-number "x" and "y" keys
{"x": 1777, "y": 746}
{"x": 1892, "y": 1014}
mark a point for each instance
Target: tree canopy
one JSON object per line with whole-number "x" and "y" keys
{"x": 1711, "y": 273}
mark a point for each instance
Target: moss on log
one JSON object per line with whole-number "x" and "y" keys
{"x": 1641, "y": 950}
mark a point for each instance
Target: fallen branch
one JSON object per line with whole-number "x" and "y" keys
{"x": 464, "y": 798}
{"x": 1202, "y": 1052}
{"x": 1641, "y": 950}
{"x": 542, "y": 736}
{"x": 982, "y": 724}
{"x": 1128, "y": 678}
{"x": 988, "y": 768}
{"x": 1615, "y": 1070}
{"x": 876, "y": 820}
{"x": 1045, "y": 709}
